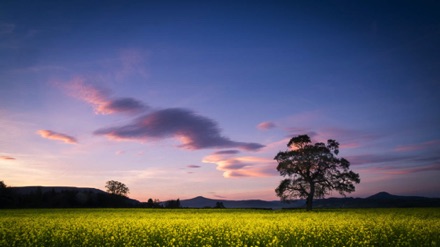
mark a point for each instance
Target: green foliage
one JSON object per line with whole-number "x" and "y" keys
{"x": 211, "y": 227}
{"x": 312, "y": 171}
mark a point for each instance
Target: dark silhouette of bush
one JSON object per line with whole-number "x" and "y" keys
{"x": 219, "y": 205}
{"x": 173, "y": 204}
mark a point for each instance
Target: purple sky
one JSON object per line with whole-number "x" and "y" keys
{"x": 188, "y": 98}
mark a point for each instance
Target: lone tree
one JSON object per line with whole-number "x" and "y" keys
{"x": 116, "y": 188}
{"x": 2, "y": 185}
{"x": 313, "y": 170}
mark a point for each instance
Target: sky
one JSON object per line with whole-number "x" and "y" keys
{"x": 178, "y": 99}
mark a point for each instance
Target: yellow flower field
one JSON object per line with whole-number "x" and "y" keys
{"x": 210, "y": 227}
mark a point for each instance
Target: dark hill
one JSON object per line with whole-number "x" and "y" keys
{"x": 61, "y": 197}
{"x": 379, "y": 200}
{"x": 387, "y": 196}
{"x": 382, "y": 195}
{"x": 72, "y": 197}
{"x": 32, "y": 189}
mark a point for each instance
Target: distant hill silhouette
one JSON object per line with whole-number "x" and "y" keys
{"x": 385, "y": 196}
{"x": 381, "y": 195}
{"x": 74, "y": 197}
{"x": 61, "y": 197}
{"x": 379, "y": 200}
{"x": 202, "y": 202}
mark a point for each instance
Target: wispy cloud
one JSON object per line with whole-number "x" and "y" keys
{"x": 194, "y": 131}
{"x": 100, "y": 98}
{"x": 266, "y": 125}
{"x": 369, "y": 159}
{"x": 4, "y": 157}
{"x": 400, "y": 170}
{"x": 227, "y": 152}
{"x": 217, "y": 195}
{"x": 193, "y": 166}
{"x": 245, "y": 166}
{"x": 347, "y": 137}
{"x": 418, "y": 146}
{"x": 396, "y": 163}
{"x": 57, "y": 136}
{"x": 6, "y": 28}
{"x": 133, "y": 62}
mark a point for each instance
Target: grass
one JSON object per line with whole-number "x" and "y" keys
{"x": 209, "y": 227}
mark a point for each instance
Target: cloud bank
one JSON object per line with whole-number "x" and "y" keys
{"x": 194, "y": 131}
{"x": 52, "y": 135}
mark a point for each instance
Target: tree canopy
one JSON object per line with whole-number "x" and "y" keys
{"x": 313, "y": 170}
{"x": 117, "y": 188}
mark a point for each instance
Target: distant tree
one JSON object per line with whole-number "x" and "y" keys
{"x": 313, "y": 171}
{"x": 150, "y": 202}
{"x": 116, "y": 188}
{"x": 2, "y": 185}
{"x": 219, "y": 205}
{"x": 6, "y": 196}
{"x": 173, "y": 204}
{"x": 153, "y": 203}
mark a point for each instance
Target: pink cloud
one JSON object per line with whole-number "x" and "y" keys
{"x": 4, "y": 157}
{"x": 100, "y": 98}
{"x": 57, "y": 136}
{"x": 419, "y": 146}
{"x": 245, "y": 166}
{"x": 266, "y": 125}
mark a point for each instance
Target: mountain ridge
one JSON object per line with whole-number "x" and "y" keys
{"x": 381, "y": 199}
{"x": 92, "y": 197}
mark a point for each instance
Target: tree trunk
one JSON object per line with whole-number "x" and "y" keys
{"x": 309, "y": 200}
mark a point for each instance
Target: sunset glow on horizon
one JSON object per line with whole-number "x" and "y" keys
{"x": 178, "y": 100}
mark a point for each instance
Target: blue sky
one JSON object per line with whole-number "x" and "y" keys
{"x": 180, "y": 99}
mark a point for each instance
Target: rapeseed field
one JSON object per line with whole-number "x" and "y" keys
{"x": 227, "y": 227}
